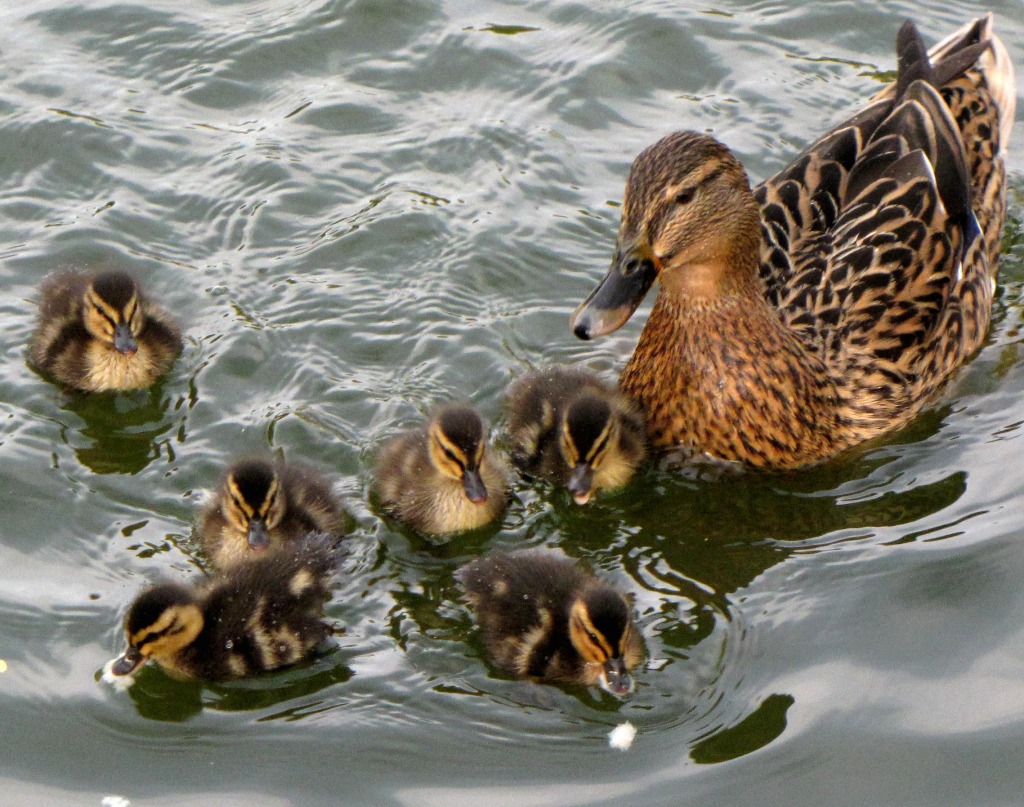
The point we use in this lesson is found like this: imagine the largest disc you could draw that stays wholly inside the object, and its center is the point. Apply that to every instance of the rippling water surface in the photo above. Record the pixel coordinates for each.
(359, 208)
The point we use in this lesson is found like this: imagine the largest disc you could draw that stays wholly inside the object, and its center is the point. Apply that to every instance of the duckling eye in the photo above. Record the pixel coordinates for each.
(685, 196)
(450, 455)
(108, 322)
(598, 647)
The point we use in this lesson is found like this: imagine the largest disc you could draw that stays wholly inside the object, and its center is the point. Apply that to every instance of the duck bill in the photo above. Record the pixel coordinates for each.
(581, 483)
(124, 342)
(617, 296)
(128, 663)
(258, 535)
(473, 484)
(615, 678)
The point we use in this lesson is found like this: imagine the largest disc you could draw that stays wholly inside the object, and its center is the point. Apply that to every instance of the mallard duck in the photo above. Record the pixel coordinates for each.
(262, 503)
(444, 477)
(569, 426)
(98, 332)
(254, 618)
(826, 306)
(546, 619)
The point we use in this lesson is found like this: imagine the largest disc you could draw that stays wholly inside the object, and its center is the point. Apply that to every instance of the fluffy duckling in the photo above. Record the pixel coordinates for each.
(257, 617)
(569, 426)
(546, 619)
(443, 478)
(262, 504)
(99, 332)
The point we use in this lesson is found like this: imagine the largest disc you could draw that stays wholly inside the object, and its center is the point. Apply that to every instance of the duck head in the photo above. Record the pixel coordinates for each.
(254, 503)
(161, 622)
(688, 218)
(589, 434)
(112, 312)
(457, 442)
(600, 628)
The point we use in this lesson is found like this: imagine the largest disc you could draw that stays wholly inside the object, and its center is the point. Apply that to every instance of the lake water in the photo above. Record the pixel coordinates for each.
(361, 208)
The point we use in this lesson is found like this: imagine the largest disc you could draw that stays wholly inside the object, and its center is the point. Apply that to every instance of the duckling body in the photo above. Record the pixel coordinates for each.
(546, 619)
(263, 504)
(570, 427)
(254, 618)
(826, 306)
(99, 332)
(444, 477)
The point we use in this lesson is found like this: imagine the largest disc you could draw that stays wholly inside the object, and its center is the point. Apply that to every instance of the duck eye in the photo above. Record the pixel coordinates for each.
(451, 455)
(685, 196)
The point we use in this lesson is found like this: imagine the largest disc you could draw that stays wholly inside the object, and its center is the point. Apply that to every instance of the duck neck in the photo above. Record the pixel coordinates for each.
(721, 267)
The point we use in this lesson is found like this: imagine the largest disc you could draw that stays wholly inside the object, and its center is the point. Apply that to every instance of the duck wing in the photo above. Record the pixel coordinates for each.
(880, 241)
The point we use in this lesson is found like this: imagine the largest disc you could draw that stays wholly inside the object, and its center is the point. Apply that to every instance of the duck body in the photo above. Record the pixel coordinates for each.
(827, 305)
(98, 332)
(444, 477)
(546, 619)
(263, 504)
(570, 427)
(255, 618)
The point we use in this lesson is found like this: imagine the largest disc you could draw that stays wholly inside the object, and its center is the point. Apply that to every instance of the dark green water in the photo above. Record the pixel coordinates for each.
(360, 208)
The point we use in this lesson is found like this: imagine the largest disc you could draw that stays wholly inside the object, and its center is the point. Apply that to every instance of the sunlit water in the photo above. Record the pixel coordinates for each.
(358, 209)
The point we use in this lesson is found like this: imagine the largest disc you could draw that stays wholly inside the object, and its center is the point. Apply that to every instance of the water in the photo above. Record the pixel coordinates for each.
(360, 208)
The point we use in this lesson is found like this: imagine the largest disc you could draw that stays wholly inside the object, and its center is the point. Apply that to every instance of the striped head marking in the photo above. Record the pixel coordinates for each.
(254, 503)
(600, 628)
(588, 434)
(457, 442)
(112, 311)
(687, 198)
(161, 622)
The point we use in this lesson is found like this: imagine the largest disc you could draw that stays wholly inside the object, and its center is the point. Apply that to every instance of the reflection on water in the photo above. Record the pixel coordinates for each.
(158, 696)
(125, 431)
(752, 733)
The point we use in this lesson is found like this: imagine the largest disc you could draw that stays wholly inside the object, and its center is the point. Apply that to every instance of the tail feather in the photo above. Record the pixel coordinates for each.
(976, 43)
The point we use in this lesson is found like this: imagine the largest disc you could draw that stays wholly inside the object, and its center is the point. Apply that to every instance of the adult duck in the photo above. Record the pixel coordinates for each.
(824, 307)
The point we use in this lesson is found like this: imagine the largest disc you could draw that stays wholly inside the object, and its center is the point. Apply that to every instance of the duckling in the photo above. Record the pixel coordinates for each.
(443, 478)
(826, 306)
(254, 618)
(98, 332)
(261, 504)
(546, 619)
(569, 426)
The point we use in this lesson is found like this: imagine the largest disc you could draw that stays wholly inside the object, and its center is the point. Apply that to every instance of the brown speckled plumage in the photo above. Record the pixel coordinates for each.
(824, 308)
(74, 342)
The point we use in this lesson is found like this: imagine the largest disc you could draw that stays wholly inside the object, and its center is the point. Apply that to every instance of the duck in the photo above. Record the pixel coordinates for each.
(254, 618)
(263, 504)
(98, 332)
(546, 619)
(443, 477)
(569, 426)
(824, 307)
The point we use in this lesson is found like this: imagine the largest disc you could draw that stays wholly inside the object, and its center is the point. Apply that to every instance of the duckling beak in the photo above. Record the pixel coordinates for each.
(581, 483)
(258, 535)
(473, 484)
(126, 665)
(617, 296)
(124, 342)
(615, 678)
